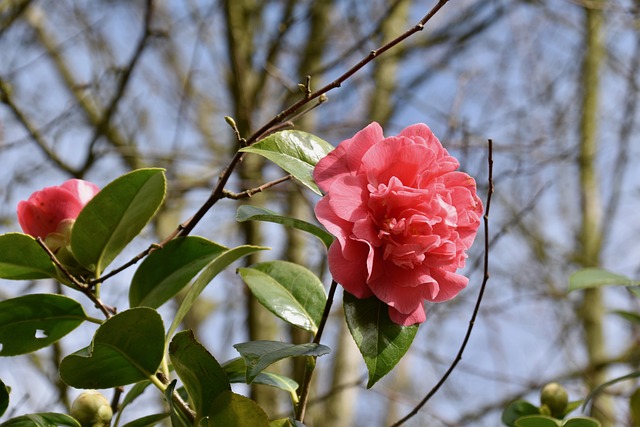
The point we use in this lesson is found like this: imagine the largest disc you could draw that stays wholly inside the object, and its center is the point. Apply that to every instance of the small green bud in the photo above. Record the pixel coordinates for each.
(92, 409)
(556, 398)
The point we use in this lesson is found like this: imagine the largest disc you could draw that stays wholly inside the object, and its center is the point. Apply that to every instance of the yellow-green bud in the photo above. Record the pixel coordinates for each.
(92, 409)
(556, 398)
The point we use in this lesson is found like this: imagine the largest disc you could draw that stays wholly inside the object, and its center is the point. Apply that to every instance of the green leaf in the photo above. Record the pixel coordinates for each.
(200, 372)
(149, 420)
(572, 406)
(166, 271)
(236, 372)
(595, 277)
(45, 419)
(517, 409)
(537, 421)
(629, 316)
(634, 407)
(126, 348)
(381, 342)
(294, 151)
(131, 396)
(582, 422)
(31, 322)
(289, 291)
(286, 422)
(115, 216)
(601, 387)
(178, 418)
(257, 355)
(22, 258)
(233, 410)
(218, 264)
(4, 398)
(256, 213)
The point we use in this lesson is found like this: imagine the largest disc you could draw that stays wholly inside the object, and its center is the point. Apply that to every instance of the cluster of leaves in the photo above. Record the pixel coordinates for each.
(134, 347)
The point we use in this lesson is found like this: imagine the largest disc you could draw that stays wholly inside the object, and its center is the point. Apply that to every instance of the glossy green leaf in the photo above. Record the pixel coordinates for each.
(31, 322)
(4, 398)
(200, 372)
(634, 407)
(256, 213)
(258, 355)
(582, 422)
(537, 421)
(629, 316)
(289, 291)
(294, 151)
(126, 348)
(517, 409)
(178, 418)
(233, 410)
(381, 342)
(149, 420)
(166, 271)
(22, 258)
(596, 277)
(286, 422)
(236, 372)
(45, 419)
(130, 397)
(218, 264)
(115, 216)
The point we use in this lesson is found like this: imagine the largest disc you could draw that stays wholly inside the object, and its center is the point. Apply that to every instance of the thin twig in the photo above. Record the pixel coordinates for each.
(476, 309)
(311, 361)
(82, 287)
(252, 191)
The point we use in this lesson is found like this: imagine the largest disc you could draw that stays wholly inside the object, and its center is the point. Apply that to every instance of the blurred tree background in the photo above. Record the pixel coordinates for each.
(94, 88)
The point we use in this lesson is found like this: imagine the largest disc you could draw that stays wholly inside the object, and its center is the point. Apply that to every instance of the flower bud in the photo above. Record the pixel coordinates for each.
(555, 397)
(92, 409)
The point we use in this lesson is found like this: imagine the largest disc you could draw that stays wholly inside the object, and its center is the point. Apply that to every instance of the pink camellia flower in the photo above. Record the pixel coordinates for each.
(52, 210)
(403, 218)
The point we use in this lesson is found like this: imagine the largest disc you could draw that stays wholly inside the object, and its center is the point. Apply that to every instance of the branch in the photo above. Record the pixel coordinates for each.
(476, 309)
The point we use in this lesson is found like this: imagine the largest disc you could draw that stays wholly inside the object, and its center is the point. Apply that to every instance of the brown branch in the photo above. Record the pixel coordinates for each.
(82, 287)
(252, 191)
(476, 309)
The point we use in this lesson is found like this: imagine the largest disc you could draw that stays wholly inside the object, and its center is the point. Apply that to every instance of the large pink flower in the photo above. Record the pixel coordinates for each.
(52, 208)
(403, 218)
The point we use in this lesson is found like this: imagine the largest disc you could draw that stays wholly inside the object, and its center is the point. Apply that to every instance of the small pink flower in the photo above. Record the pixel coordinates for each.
(52, 209)
(403, 218)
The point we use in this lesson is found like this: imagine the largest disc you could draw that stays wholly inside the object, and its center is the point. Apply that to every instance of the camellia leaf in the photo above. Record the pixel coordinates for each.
(582, 422)
(286, 422)
(149, 420)
(115, 216)
(294, 151)
(381, 342)
(126, 348)
(634, 407)
(537, 421)
(131, 396)
(257, 355)
(518, 409)
(45, 419)
(166, 271)
(595, 277)
(233, 410)
(256, 213)
(178, 418)
(236, 372)
(4, 398)
(218, 264)
(289, 291)
(200, 372)
(31, 322)
(22, 258)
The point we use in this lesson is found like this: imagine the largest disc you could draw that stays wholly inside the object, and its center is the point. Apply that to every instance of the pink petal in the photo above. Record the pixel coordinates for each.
(45, 209)
(82, 190)
(350, 273)
(416, 316)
